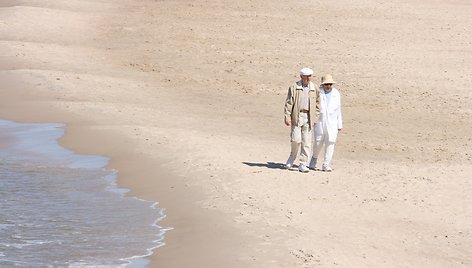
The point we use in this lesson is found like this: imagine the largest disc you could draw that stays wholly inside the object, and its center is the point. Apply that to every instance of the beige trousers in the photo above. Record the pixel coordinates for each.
(301, 138)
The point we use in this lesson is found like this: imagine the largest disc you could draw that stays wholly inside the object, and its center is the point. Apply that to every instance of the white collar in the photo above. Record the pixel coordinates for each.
(308, 86)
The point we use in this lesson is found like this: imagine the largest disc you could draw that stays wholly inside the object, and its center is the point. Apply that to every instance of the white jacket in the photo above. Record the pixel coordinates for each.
(330, 119)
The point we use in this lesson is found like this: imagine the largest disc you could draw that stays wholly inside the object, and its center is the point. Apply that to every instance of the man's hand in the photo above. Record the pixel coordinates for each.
(288, 122)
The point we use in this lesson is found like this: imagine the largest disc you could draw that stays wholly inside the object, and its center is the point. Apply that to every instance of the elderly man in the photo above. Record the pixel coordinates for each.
(301, 111)
(329, 124)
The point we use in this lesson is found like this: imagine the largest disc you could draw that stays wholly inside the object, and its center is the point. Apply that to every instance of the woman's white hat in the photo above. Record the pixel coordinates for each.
(327, 79)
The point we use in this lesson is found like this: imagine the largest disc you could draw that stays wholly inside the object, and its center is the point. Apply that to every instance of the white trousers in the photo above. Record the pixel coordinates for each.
(301, 138)
(320, 142)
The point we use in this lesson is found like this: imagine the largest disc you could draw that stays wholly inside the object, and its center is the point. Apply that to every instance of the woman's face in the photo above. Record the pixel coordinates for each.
(327, 87)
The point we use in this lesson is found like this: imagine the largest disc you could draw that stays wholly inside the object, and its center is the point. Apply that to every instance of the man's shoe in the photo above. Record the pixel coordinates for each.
(312, 165)
(289, 163)
(303, 168)
(326, 168)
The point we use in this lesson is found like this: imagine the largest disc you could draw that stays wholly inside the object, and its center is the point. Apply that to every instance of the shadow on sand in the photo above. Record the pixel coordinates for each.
(271, 165)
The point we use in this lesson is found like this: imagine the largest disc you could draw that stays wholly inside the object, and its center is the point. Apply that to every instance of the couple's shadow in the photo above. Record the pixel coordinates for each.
(271, 165)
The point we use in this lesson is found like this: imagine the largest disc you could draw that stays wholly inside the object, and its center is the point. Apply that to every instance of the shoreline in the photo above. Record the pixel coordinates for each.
(45, 153)
(136, 172)
(191, 224)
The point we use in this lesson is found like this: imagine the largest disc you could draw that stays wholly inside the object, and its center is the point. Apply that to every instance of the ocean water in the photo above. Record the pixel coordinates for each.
(60, 209)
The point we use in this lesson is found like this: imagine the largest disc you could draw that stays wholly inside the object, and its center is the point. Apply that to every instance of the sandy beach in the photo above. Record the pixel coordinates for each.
(186, 97)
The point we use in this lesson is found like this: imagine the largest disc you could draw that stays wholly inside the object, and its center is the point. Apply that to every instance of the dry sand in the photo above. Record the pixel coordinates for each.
(187, 97)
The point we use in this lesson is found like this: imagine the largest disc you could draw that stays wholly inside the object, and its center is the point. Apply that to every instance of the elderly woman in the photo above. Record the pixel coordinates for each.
(330, 122)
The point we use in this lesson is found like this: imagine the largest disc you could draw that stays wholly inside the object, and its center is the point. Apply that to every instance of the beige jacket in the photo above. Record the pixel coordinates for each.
(292, 103)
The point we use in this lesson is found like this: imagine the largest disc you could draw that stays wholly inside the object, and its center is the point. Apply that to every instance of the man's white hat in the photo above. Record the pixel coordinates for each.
(306, 71)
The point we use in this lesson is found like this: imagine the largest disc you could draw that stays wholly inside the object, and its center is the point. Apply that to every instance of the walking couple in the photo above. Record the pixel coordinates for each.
(313, 112)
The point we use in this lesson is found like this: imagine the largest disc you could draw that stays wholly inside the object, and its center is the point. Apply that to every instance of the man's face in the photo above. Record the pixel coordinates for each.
(305, 79)
(327, 87)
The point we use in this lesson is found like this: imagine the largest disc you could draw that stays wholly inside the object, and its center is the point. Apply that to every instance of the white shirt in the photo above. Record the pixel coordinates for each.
(305, 98)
